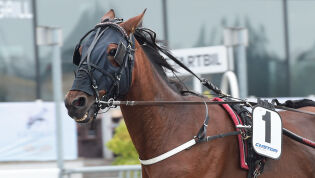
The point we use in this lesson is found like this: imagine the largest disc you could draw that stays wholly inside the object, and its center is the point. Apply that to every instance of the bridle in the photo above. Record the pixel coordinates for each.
(124, 57)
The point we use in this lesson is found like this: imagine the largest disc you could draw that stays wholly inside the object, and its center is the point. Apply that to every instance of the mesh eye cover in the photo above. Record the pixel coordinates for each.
(120, 53)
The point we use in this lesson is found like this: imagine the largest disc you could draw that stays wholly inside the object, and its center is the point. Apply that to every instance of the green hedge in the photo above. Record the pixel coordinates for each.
(123, 147)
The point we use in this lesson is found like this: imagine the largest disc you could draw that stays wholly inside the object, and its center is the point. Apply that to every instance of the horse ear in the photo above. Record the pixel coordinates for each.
(109, 15)
(131, 24)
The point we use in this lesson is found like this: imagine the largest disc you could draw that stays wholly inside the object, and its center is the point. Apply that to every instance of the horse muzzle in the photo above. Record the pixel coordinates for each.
(81, 107)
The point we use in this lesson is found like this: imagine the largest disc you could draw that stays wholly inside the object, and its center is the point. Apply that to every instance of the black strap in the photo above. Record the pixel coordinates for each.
(97, 36)
(116, 26)
(209, 138)
(298, 138)
(103, 71)
(152, 35)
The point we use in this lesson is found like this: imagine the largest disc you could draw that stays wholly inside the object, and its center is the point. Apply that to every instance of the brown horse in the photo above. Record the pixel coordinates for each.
(157, 129)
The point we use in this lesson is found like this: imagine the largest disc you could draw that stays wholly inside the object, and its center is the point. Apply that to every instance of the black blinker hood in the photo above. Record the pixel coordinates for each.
(95, 72)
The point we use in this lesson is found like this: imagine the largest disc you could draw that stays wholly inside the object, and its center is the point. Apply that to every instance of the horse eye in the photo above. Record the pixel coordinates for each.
(112, 52)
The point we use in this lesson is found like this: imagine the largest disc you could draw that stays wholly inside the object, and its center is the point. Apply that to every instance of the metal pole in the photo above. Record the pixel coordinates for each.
(165, 23)
(57, 84)
(37, 66)
(53, 36)
(106, 134)
(230, 54)
(287, 45)
(238, 38)
(197, 85)
(242, 69)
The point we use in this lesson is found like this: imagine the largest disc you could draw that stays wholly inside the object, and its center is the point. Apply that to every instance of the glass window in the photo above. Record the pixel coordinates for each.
(190, 24)
(17, 64)
(201, 23)
(302, 47)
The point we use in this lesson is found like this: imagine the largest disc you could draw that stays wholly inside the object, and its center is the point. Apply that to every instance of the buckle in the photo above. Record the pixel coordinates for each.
(247, 103)
(244, 135)
(243, 126)
(118, 77)
(256, 173)
(259, 167)
(110, 103)
(94, 87)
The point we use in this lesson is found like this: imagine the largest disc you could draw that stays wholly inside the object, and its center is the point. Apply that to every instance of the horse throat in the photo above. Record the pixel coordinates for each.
(148, 126)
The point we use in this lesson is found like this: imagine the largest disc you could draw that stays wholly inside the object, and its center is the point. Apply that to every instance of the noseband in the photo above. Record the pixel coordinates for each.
(120, 76)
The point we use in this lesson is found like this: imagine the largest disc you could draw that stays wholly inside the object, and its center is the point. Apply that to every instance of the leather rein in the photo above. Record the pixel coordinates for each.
(112, 103)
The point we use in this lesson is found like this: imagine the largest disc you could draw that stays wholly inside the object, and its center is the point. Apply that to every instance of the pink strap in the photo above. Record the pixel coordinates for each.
(236, 120)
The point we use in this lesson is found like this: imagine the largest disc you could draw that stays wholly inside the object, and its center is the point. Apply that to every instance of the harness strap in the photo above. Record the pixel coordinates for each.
(103, 71)
(295, 110)
(209, 138)
(169, 153)
(162, 103)
(298, 138)
(91, 47)
(116, 26)
(185, 146)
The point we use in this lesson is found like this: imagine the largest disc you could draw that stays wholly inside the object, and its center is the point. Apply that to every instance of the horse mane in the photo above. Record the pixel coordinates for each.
(296, 104)
(153, 49)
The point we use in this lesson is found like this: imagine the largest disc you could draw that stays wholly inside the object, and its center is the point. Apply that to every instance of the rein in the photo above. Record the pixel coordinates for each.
(203, 81)
(112, 103)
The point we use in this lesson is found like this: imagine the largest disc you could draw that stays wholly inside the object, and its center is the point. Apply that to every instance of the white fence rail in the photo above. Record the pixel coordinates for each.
(121, 171)
(125, 171)
(30, 173)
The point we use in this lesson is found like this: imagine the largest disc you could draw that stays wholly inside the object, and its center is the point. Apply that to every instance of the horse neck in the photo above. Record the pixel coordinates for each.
(147, 125)
(147, 84)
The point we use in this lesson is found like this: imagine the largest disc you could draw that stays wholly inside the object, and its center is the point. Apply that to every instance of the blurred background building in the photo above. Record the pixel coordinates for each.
(278, 65)
(280, 54)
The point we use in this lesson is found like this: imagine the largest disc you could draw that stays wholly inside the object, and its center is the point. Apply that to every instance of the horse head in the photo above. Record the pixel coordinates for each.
(105, 60)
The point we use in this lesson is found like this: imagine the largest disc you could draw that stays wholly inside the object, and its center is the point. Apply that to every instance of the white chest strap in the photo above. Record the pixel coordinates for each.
(169, 153)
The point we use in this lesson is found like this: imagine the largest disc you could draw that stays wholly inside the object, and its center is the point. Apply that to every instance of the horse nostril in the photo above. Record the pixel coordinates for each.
(79, 102)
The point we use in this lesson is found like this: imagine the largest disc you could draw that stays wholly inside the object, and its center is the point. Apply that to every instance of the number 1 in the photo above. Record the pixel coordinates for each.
(267, 120)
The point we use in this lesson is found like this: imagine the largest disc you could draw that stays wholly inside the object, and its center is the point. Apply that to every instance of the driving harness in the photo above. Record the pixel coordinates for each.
(116, 81)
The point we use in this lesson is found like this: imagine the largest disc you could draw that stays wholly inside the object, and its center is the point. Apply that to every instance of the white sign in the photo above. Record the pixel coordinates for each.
(204, 60)
(267, 132)
(28, 132)
(49, 35)
(19, 9)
